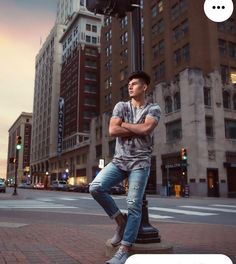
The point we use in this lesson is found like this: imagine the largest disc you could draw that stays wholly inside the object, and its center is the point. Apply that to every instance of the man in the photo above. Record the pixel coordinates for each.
(132, 123)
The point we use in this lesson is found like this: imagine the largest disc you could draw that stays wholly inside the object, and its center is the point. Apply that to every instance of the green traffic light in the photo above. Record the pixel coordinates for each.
(18, 147)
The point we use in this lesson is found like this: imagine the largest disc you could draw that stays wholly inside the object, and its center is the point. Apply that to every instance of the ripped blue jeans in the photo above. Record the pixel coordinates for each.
(110, 176)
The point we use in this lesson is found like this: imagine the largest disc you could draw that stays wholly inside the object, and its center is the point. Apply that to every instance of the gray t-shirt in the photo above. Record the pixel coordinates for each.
(135, 152)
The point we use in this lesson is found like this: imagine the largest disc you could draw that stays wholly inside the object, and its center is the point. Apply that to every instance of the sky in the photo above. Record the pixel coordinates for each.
(24, 26)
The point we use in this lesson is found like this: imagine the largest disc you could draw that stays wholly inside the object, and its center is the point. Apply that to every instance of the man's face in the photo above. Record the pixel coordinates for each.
(136, 88)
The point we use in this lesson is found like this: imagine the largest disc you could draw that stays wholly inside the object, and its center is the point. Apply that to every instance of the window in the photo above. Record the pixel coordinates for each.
(90, 76)
(173, 131)
(174, 13)
(88, 27)
(88, 39)
(108, 65)
(177, 102)
(234, 101)
(226, 100)
(94, 28)
(232, 50)
(90, 101)
(177, 57)
(124, 74)
(90, 51)
(233, 75)
(160, 6)
(108, 99)
(159, 71)
(184, 27)
(230, 129)
(90, 64)
(227, 26)
(185, 52)
(207, 96)
(168, 105)
(222, 47)
(124, 22)
(158, 49)
(108, 82)
(154, 11)
(94, 40)
(209, 126)
(90, 88)
(158, 28)
(224, 73)
(98, 151)
(124, 38)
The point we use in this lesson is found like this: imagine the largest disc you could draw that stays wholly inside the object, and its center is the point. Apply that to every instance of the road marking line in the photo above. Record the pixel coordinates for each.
(12, 225)
(209, 208)
(224, 205)
(152, 215)
(178, 211)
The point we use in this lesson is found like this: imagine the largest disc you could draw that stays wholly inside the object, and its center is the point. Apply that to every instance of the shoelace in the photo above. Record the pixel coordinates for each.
(120, 253)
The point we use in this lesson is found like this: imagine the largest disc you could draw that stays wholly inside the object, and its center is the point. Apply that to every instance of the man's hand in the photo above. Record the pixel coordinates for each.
(115, 129)
(141, 129)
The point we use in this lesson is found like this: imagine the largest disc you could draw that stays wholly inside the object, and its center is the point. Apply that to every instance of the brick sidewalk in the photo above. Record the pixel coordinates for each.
(85, 244)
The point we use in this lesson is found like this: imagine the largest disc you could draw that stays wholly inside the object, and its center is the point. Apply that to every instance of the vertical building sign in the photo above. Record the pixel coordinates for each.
(61, 105)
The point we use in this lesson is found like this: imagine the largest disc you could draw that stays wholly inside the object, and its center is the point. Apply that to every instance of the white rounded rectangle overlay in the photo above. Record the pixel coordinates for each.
(178, 259)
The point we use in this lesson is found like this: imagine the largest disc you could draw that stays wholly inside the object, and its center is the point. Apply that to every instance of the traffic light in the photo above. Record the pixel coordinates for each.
(18, 143)
(184, 154)
(116, 8)
(12, 160)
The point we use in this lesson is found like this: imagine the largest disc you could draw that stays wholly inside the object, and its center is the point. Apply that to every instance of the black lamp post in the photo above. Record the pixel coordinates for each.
(118, 8)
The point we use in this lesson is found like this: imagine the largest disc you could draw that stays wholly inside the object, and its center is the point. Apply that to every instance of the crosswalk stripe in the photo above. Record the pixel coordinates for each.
(209, 208)
(151, 215)
(178, 211)
(24, 204)
(224, 205)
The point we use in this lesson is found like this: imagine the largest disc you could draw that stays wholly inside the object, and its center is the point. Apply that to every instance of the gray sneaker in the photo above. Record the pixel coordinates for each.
(119, 258)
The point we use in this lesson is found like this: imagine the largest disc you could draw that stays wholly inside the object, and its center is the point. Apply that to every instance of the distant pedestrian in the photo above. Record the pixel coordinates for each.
(132, 123)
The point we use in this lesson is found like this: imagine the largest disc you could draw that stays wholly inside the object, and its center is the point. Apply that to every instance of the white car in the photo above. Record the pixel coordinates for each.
(2, 185)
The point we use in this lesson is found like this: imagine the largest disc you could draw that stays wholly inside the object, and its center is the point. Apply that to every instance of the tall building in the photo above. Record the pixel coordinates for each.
(192, 62)
(45, 107)
(79, 93)
(66, 9)
(21, 127)
(47, 93)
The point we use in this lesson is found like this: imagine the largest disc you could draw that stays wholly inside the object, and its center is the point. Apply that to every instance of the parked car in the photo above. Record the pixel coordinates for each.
(2, 185)
(84, 188)
(25, 185)
(118, 189)
(59, 185)
(39, 185)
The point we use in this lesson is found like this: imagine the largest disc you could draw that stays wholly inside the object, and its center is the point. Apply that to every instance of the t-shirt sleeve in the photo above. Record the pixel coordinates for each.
(154, 112)
(117, 111)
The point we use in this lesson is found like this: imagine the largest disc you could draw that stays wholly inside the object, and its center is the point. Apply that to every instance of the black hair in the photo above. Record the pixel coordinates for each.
(140, 75)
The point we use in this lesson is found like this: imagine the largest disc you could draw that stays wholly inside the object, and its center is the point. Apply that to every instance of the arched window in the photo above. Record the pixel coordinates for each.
(234, 101)
(177, 104)
(168, 105)
(226, 99)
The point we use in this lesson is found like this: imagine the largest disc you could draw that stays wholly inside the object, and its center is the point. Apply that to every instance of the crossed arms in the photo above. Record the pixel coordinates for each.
(117, 128)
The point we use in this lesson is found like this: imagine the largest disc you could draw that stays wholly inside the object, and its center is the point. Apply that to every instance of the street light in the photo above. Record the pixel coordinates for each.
(118, 8)
(46, 181)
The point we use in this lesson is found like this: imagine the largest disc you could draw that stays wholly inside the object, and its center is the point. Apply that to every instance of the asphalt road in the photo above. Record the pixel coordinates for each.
(71, 207)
